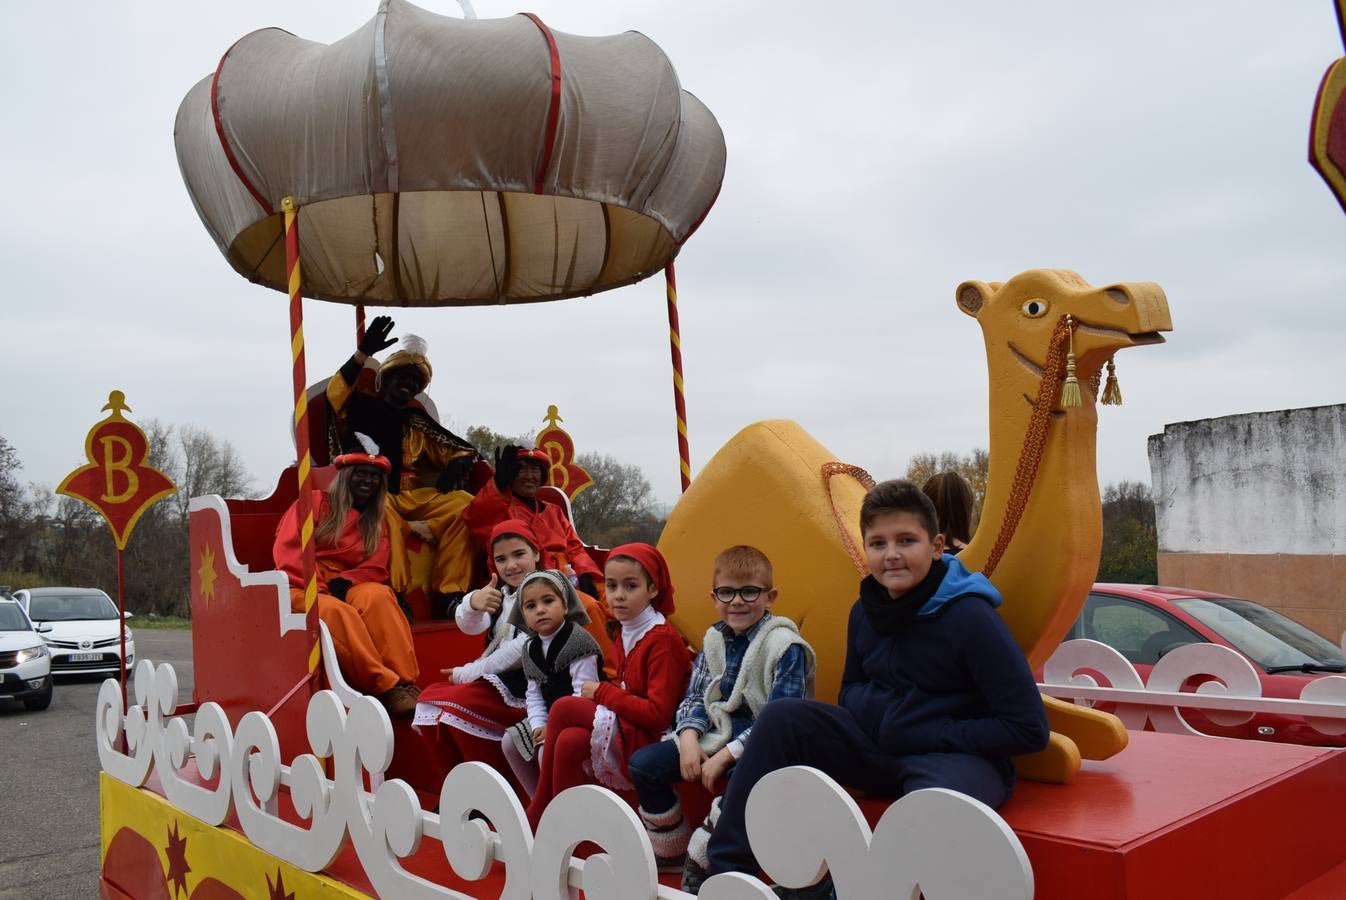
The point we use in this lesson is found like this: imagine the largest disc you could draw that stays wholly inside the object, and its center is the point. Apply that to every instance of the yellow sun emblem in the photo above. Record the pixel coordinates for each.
(206, 574)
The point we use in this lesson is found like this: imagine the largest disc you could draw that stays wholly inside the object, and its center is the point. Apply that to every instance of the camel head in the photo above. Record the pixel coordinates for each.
(1018, 317)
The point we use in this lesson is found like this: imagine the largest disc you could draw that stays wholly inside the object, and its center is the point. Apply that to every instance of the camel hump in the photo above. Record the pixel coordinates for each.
(766, 488)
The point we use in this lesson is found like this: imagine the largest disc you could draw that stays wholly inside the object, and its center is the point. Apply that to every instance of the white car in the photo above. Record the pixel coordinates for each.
(25, 661)
(84, 622)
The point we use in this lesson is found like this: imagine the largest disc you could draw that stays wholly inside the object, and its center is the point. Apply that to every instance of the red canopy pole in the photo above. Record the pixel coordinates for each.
(305, 468)
(679, 402)
(359, 322)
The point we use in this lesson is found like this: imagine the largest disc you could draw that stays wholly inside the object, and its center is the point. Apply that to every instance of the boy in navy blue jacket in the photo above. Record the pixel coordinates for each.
(935, 692)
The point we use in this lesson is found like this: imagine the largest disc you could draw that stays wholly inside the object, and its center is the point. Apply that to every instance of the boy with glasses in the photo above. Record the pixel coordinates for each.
(748, 659)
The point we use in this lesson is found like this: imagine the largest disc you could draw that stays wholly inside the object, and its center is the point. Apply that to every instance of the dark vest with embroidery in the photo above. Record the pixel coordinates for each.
(552, 670)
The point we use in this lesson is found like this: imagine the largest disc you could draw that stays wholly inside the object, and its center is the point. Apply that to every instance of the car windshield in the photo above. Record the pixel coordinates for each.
(70, 607)
(13, 619)
(1263, 635)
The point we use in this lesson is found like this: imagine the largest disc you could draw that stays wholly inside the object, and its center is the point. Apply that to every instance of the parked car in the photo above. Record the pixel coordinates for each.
(1143, 623)
(25, 661)
(84, 622)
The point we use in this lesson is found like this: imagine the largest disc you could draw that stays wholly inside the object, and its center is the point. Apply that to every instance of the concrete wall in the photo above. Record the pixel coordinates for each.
(1255, 505)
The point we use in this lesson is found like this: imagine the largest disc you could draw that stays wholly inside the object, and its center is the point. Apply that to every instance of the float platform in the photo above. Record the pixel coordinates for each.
(1170, 817)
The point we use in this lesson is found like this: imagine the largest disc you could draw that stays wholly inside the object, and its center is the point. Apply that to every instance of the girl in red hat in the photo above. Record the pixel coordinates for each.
(590, 737)
(368, 629)
(483, 698)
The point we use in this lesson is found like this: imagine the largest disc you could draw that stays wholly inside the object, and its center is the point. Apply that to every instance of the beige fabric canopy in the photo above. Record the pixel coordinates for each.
(439, 161)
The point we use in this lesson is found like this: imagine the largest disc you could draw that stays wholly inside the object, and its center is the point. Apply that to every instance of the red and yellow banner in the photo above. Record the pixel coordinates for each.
(1327, 132)
(560, 449)
(117, 481)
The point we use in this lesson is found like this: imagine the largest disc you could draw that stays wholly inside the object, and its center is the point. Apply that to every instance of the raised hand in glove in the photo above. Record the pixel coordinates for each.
(506, 465)
(377, 336)
(338, 587)
(454, 475)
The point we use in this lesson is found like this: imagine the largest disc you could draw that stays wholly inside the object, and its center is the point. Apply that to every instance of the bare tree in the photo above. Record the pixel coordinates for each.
(973, 467)
(620, 505)
(16, 510)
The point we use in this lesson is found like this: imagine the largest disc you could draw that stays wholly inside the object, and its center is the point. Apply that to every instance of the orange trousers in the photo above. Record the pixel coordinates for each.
(371, 636)
(453, 549)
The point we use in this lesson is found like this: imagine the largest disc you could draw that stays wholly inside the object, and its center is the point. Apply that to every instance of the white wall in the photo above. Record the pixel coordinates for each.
(1272, 482)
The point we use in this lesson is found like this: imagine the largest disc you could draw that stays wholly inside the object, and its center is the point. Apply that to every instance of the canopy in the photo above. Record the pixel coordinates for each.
(439, 161)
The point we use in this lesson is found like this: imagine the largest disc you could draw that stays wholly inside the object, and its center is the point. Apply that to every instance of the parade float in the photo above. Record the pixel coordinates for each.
(427, 160)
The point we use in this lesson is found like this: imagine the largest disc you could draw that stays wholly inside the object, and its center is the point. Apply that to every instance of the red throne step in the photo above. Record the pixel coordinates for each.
(1175, 816)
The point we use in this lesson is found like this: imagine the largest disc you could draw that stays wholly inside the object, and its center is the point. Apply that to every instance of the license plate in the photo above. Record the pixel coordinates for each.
(86, 657)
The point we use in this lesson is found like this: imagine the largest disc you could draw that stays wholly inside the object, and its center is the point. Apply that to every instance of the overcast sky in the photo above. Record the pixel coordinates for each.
(879, 154)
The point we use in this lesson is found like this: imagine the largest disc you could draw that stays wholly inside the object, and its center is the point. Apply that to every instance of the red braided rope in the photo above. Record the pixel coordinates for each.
(1035, 442)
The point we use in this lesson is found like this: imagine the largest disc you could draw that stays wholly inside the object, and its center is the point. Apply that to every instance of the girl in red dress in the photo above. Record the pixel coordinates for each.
(590, 737)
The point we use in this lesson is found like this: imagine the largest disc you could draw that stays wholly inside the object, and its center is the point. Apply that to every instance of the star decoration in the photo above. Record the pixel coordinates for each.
(177, 860)
(277, 891)
(207, 575)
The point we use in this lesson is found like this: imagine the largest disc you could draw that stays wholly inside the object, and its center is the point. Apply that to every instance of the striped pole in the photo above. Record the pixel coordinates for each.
(305, 468)
(359, 322)
(679, 402)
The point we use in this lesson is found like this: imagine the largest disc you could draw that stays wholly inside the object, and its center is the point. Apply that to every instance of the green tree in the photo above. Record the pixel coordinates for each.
(1130, 537)
(972, 466)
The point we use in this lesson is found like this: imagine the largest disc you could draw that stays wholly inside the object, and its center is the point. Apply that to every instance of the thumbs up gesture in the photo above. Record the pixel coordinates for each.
(488, 599)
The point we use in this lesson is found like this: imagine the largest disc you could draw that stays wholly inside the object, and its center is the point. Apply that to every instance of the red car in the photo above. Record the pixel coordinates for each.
(1143, 623)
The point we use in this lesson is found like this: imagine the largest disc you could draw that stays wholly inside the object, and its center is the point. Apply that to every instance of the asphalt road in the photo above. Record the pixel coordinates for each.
(49, 844)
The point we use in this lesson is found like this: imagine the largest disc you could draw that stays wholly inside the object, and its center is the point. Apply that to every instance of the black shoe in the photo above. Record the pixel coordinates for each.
(823, 890)
(443, 606)
(692, 877)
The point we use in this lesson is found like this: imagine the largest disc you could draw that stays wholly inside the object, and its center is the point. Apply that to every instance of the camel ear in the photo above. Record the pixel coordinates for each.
(971, 296)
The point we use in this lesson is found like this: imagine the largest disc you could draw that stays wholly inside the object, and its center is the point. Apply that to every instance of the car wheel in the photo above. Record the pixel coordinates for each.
(40, 701)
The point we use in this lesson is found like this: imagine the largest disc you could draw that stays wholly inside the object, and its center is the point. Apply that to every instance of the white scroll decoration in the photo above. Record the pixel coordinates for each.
(469, 845)
(1328, 689)
(1232, 698)
(1237, 678)
(244, 776)
(922, 846)
(590, 813)
(1072, 662)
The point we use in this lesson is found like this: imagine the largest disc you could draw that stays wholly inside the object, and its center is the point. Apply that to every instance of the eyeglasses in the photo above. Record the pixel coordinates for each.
(749, 593)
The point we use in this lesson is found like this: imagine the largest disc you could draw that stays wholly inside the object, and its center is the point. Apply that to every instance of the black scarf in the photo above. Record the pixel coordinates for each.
(888, 614)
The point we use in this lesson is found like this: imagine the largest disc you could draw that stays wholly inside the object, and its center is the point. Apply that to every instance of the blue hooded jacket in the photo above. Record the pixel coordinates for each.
(952, 680)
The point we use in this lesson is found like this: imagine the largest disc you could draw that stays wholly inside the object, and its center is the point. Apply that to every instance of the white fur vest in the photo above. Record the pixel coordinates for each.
(756, 675)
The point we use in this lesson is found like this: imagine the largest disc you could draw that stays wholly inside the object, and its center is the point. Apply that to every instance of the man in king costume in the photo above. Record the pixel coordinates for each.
(427, 487)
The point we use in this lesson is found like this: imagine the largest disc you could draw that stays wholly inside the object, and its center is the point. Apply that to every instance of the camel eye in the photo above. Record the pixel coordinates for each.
(1035, 308)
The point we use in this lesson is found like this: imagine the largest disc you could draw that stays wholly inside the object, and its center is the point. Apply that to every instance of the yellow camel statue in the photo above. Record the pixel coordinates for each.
(1040, 534)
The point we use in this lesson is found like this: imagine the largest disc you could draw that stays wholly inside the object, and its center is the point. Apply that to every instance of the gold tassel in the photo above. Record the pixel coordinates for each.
(1070, 390)
(1112, 392)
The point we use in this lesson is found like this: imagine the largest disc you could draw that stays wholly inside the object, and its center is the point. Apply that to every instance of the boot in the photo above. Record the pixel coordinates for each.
(668, 833)
(401, 700)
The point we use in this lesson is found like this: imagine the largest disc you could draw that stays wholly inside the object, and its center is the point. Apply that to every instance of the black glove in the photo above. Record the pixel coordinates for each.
(376, 336)
(338, 587)
(586, 584)
(506, 465)
(454, 474)
(406, 607)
